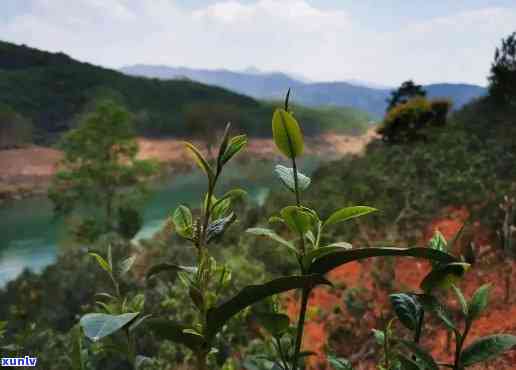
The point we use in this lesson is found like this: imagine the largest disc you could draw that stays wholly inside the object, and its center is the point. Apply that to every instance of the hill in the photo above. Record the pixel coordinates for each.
(351, 93)
(52, 88)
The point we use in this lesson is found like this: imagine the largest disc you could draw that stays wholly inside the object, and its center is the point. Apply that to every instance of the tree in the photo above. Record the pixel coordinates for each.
(404, 93)
(15, 130)
(408, 121)
(502, 81)
(100, 169)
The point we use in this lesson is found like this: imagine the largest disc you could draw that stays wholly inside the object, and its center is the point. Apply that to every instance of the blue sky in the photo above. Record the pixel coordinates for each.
(381, 41)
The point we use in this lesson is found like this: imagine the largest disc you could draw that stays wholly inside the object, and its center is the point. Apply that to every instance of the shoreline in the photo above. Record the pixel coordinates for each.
(27, 172)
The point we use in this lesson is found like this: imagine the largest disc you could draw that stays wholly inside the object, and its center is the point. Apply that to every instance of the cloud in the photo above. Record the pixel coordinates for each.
(289, 35)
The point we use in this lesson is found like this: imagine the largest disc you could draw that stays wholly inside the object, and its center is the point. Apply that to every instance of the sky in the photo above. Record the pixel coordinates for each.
(379, 41)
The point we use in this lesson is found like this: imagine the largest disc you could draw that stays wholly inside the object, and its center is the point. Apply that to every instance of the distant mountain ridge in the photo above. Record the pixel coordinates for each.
(273, 85)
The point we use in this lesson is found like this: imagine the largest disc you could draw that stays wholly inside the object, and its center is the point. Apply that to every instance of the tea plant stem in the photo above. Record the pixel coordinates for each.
(460, 339)
(281, 353)
(296, 185)
(300, 326)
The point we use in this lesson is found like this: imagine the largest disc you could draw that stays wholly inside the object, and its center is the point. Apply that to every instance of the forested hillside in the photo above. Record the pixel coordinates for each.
(51, 89)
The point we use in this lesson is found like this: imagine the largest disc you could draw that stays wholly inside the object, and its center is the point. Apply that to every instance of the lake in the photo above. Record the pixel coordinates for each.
(31, 236)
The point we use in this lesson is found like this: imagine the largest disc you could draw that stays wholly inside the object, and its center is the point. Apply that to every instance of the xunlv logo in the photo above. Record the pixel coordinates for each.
(19, 361)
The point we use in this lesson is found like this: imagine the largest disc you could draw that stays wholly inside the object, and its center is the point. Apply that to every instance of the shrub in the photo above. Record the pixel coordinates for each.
(406, 122)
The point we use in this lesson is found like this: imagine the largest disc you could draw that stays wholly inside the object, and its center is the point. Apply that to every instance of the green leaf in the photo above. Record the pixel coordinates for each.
(221, 209)
(431, 304)
(201, 162)
(275, 323)
(236, 144)
(486, 348)
(216, 229)
(438, 242)
(478, 302)
(126, 265)
(407, 363)
(156, 269)
(287, 134)
(77, 355)
(101, 262)
(348, 213)
(408, 309)
(339, 363)
(379, 336)
(427, 360)
(218, 316)
(272, 235)
(443, 276)
(309, 257)
(99, 325)
(136, 323)
(462, 300)
(336, 259)
(223, 146)
(286, 175)
(175, 332)
(183, 221)
(232, 194)
(297, 219)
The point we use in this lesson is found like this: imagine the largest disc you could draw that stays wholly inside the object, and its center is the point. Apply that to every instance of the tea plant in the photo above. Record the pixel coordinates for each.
(410, 308)
(307, 243)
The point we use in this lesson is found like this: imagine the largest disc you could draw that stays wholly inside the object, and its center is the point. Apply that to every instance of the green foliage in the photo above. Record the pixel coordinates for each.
(100, 167)
(410, 309)
(502, 80)
(15, 130)
(50, 89)
(407, 91)
(409, 121)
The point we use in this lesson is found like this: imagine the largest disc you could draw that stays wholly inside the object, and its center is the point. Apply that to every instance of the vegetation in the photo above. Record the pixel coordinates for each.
(408, 90)
(15, 130)
(187, 296)
(100, 167)
(51, 89)
(503, 72)
(412, 120)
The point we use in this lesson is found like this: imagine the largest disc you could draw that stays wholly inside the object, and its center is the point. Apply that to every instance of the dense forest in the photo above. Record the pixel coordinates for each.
(339, 245)
(51, 89)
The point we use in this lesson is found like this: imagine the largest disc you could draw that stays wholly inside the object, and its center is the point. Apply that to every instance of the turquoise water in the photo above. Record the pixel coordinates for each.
(30, 235)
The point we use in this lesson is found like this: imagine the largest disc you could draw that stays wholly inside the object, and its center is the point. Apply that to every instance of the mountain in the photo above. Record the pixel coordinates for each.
(52, 88)
(251, 82)
(262, 85)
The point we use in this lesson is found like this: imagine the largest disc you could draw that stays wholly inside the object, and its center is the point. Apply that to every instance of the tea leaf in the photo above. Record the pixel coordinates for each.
(99, 325)
(427, 360)
(127, 264)
(156, 269)
(217, 228)
(235, 145)
(444, 276)
(323, 251)
(487, 348)
(101, 262)
(336, 259)
(200, 160)
(297, 219)
(286, 175)
(218, 316)
(348, 213)
(407, 363)
(339, 363)
(478, 302)
(183, 221)
(272, 235)
(431, 304)
(232, 194)
(175, 332)
(287, 134)
(407, 308)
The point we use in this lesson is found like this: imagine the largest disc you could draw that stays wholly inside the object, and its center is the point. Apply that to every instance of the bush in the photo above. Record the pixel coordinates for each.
(406, 122)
